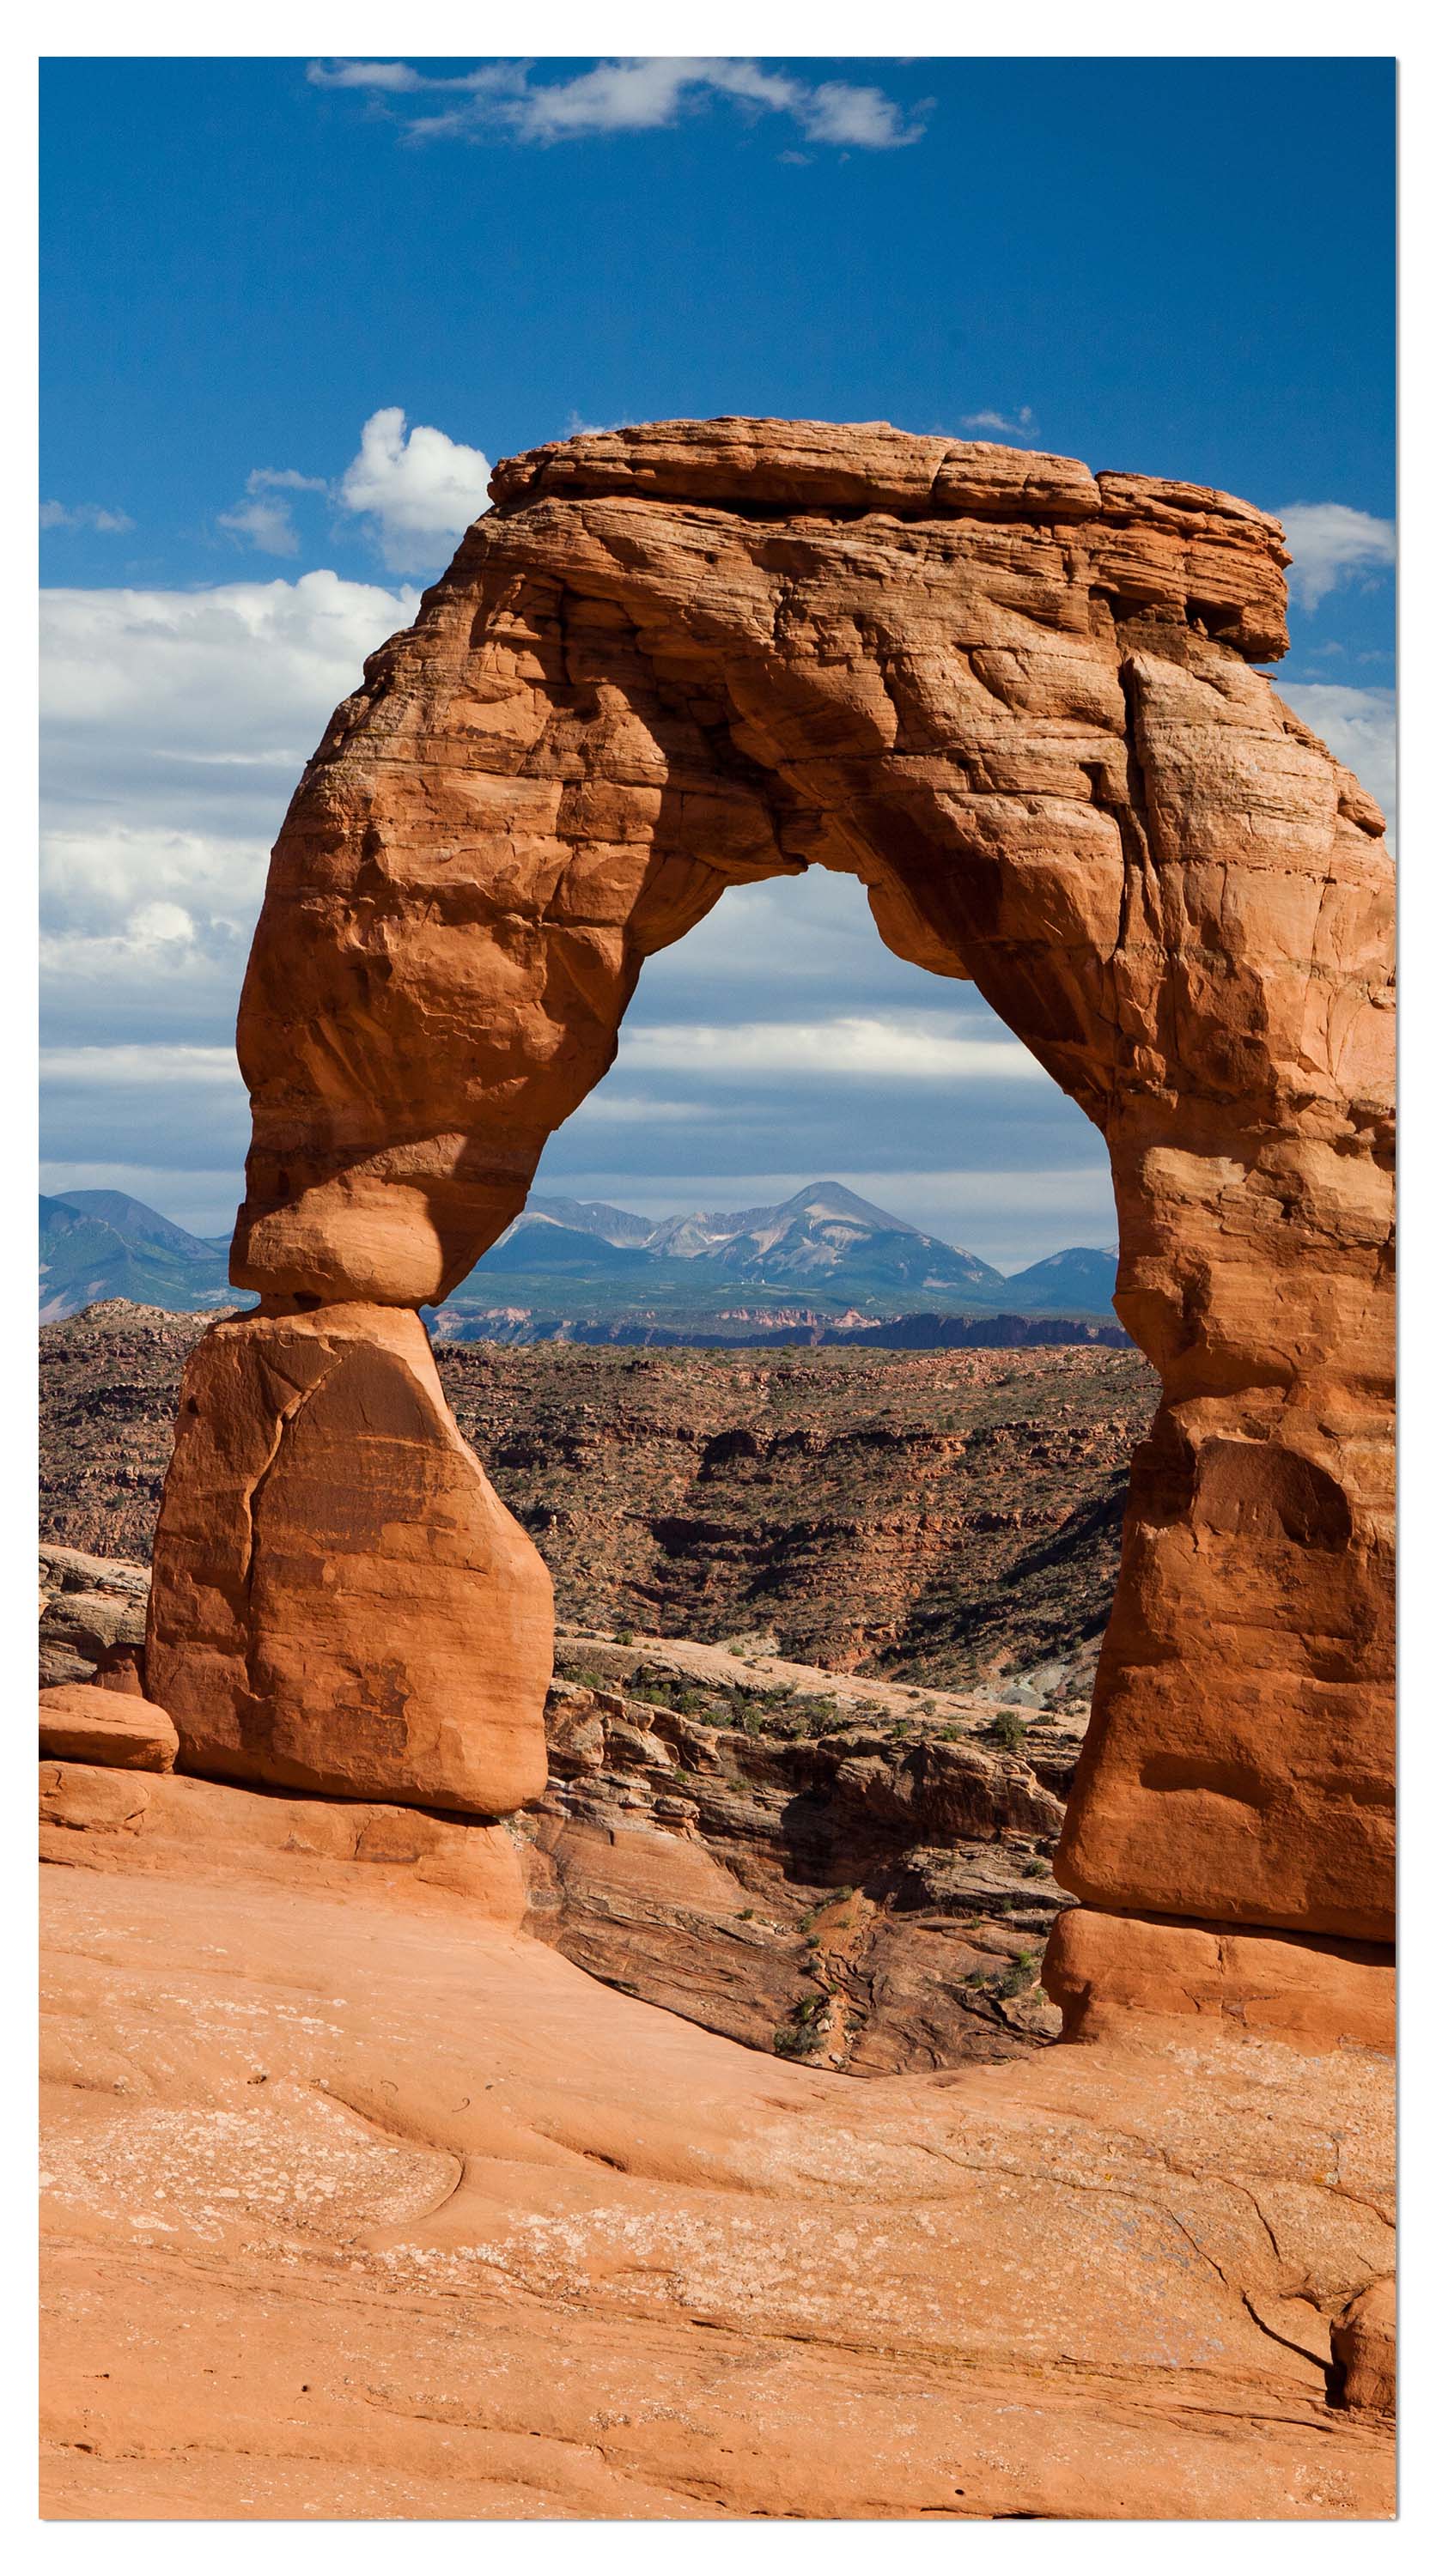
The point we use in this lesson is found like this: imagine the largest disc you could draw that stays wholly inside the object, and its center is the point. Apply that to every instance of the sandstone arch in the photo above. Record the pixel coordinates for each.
(1018, 701)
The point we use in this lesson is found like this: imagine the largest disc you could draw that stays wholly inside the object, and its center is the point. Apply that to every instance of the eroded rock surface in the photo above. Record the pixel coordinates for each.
(855, 1873)
(851, 1874)
(80, 1722)
(1018, 701)
(340, 1600)
(357, 2203)
(92, 1618)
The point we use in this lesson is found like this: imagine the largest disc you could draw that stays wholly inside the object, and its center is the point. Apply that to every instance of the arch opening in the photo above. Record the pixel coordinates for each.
(860, 1120)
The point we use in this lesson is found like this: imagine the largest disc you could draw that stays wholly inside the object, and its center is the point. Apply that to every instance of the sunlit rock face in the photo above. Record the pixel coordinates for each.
(340, 1601)
(1018, 701)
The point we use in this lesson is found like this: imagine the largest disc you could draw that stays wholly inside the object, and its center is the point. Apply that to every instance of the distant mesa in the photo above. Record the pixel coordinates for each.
(824, 1261)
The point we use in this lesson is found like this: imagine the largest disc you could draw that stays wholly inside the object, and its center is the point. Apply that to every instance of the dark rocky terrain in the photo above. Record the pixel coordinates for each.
(855, 1873)
(844, 1856)
(950, 1517)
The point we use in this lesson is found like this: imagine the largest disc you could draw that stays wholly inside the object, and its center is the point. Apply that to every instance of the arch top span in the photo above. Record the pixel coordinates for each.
(1014, 697)
(1021, 702)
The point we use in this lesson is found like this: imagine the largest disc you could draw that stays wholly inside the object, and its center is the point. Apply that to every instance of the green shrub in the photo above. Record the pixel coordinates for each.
(1016, 1979)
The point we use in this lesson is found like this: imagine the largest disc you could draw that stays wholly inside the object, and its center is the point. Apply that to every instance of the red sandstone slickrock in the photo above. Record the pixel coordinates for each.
(340, 1600)
(360, 2203)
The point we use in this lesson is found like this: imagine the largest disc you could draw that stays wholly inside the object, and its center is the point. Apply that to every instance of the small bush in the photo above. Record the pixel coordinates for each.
(1016, 1979)
(806, 2031)
(1008, 1730)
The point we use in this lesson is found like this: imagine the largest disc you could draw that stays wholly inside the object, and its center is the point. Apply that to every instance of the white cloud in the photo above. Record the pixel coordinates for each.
(418, 490)
(1016, 422)
(268, 525)
(175, 724)
(85, 514)
(844, 112)
(242, 675)
(1359, 725)
(380, 76)
(1330, 544)
(629, 97)
(911, 1047)
(140, 1064)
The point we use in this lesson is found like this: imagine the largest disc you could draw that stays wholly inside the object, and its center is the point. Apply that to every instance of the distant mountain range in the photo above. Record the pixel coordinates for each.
(823, 1260)
(99, 1243)
(823, 1238)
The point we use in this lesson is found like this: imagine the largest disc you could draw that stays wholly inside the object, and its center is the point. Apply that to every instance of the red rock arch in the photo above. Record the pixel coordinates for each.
(1018, 702)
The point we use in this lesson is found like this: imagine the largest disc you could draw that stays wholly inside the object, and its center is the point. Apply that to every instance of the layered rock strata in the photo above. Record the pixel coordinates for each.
(1017, 700)
(853, 1874)
(92, 1619)
(79, 1722)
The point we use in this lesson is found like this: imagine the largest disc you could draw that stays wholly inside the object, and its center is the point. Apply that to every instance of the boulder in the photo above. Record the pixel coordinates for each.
(1363, 2343)
(341, 1602)
(81, 1723)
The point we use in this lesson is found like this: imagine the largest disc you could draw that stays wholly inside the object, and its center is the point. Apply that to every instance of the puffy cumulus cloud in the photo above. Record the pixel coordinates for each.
(418, 489)
(1359, 725)
(87, 515)
(1330, 544)
(631, 96)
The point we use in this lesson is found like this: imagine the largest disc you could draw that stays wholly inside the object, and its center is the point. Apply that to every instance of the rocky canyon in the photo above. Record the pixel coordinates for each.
(464, 2229)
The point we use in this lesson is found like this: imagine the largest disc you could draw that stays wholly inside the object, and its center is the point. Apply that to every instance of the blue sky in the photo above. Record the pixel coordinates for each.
(1181, 267)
